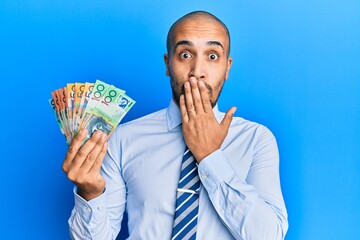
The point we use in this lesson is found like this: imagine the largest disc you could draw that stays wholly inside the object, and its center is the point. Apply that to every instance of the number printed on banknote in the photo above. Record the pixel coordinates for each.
(94, 106)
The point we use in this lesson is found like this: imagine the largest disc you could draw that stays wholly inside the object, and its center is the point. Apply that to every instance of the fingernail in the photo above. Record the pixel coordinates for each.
(201, 83)
(187, 85)
(97, 133)
(103, 136)
(234, 110)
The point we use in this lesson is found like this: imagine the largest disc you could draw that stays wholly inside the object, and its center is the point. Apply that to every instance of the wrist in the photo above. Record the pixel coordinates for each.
(201, 156)
(89, 195)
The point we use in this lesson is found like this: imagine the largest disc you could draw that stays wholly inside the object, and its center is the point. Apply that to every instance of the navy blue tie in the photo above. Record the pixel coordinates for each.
(187, 199)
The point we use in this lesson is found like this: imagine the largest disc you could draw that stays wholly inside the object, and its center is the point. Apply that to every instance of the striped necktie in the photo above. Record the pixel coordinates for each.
(187, 199)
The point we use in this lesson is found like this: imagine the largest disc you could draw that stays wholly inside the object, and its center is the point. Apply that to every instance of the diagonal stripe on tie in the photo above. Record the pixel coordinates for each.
(187, 199)
(186, 225)
(183, 199)
(187, 166)
(187, 175)
(191, 235)
(185, 213)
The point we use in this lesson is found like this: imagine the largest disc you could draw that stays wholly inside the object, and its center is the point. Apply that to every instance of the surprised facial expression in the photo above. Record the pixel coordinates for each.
(199, 49)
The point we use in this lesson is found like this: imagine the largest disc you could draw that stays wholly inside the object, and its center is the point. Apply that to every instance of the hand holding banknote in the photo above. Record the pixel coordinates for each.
(82, 163)
(87, 114)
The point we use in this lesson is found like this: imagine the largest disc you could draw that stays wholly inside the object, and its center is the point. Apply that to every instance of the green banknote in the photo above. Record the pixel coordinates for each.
(107, 114)
(94, 106)
(96, 95)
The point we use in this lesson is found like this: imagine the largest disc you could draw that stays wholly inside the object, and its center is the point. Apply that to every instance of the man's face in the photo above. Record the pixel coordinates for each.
(199, 49)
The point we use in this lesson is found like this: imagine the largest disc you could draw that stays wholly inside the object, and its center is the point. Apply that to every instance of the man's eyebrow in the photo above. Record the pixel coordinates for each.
(188, 43)
(183, 42)
(217, 43)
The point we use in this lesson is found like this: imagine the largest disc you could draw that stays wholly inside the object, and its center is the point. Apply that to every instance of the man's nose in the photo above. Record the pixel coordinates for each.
(197, 69)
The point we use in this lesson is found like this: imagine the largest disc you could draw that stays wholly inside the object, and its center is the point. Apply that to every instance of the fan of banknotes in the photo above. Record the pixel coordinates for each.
(94, 106)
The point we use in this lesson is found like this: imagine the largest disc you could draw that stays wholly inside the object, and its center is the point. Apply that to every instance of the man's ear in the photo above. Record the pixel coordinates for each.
(229, 63)
(166, 60)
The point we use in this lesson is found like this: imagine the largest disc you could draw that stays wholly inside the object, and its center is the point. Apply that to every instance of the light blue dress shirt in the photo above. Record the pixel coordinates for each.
(240, 194)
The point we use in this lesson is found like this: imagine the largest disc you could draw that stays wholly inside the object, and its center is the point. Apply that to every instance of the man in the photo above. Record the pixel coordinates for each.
(138, 169)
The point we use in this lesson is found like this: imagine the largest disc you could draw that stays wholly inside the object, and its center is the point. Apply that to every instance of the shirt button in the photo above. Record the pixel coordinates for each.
(87, 209)
(100, 207)
(204, 176)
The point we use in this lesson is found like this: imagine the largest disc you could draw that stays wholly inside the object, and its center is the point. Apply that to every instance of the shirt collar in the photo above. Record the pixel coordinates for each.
(173, 115)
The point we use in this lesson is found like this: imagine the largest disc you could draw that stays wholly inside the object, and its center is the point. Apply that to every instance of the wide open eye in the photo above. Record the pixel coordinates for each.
(213, 56)
(184, 55)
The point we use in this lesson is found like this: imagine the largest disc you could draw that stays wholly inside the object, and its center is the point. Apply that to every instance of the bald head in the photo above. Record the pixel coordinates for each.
(204, 16)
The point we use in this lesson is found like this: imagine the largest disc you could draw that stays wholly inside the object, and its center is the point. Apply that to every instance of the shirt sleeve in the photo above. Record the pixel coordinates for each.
(251, 208)
(100, 218)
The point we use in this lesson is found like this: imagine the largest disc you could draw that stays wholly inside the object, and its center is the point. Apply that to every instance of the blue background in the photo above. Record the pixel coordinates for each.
(296, 69)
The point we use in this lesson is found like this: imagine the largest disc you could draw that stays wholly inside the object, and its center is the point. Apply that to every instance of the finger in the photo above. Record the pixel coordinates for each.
(99, 160)
(228, 118)
(93, 156)
(84, 151)
(73, 149)
(183, 110)
(189, 100)
(196, 96)
(205, 97)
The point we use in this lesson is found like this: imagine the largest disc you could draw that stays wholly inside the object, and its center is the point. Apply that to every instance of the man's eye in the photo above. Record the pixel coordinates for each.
(184, 55)
(213, 56)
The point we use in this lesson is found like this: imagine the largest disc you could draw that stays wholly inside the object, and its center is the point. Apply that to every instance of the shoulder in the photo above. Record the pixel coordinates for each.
(255, 130)
(247, 125)
(142, 125)
(257, 137)
(149, 118)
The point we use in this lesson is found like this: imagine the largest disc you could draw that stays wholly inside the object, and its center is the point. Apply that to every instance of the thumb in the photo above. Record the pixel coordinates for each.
(228, 118)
